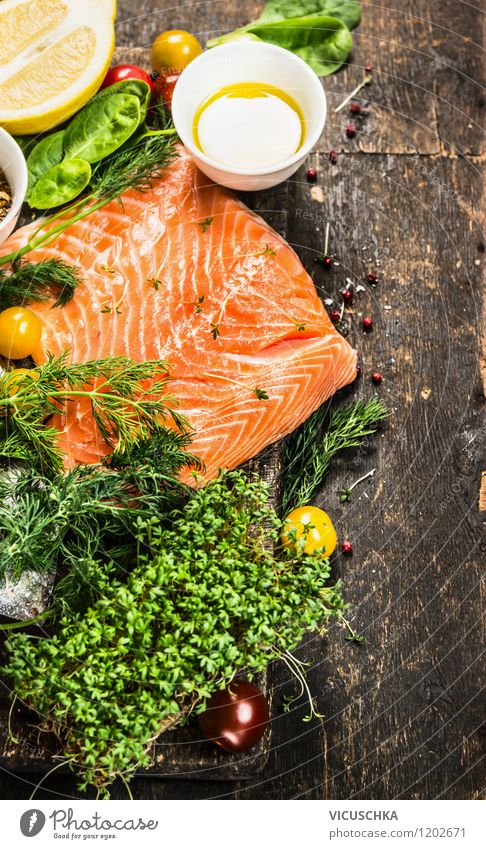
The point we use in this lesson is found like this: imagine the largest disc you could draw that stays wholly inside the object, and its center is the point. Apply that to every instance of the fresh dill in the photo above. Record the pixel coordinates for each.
(123, 407)
(30, 282)
(309, 451)
(90, 511)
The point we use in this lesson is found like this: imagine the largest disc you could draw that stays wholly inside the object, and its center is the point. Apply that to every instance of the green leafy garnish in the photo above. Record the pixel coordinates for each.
(347, 11)
(308, 452)
(206, 598)
(28, 282)
(89, 511)
(204, 225)
(133, 165)
(102, 127)
(123, 407)
(47, 153)
(61, 184)
(261, 394)
(315, 30)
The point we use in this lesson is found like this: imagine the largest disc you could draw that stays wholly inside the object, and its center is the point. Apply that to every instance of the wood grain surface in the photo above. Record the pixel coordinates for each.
(404, 711)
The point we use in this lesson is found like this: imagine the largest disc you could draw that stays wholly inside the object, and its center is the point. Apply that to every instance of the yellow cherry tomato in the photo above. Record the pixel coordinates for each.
(309, 529)
(174, 49)
(20, 332)
(15, 376)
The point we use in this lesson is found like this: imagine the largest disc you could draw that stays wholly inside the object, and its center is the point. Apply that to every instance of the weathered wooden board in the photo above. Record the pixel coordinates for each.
(405, 709)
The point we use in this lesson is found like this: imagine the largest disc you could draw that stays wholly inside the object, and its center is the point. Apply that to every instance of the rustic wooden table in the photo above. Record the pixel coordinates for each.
(405, 709)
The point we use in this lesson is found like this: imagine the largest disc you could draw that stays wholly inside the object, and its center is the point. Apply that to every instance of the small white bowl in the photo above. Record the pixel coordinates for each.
(248, 61)
(14, 167)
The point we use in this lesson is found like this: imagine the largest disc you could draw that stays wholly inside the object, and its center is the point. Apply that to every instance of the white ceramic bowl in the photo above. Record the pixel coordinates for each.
(14, 167)
(248, 61)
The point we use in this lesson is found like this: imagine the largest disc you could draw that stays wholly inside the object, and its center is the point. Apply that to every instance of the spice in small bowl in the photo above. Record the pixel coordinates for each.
(5, 196)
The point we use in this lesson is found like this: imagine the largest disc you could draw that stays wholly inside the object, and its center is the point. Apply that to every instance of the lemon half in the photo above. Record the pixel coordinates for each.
(54, 55)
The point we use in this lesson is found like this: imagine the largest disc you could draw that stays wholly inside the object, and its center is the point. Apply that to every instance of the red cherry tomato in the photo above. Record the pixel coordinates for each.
(127, 72)
(235, 718)
(164, 87)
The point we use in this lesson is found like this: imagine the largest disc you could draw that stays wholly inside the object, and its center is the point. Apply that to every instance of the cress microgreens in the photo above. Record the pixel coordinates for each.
(206, 598)
(308, 452)
(204, 225)
(123, 408)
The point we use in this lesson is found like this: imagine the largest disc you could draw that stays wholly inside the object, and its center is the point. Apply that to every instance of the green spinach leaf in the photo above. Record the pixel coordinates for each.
(323, 42)
(137, 88)
(46, 153)
(347, 11)
(61, 184)
(102, 127)
(26, 143)
(316, 30)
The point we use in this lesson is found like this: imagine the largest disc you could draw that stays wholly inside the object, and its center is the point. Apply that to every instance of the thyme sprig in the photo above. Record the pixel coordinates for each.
(128, 400)
(308, 452)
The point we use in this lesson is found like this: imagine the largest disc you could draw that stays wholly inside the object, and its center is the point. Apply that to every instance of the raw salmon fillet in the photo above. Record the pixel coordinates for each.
(146, 266)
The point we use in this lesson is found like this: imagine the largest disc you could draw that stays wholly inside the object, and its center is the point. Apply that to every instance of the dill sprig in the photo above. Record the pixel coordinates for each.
(138, 163)
(135, 165)
(308, 452)
(128, 401)
(28, 281)
(90, 511)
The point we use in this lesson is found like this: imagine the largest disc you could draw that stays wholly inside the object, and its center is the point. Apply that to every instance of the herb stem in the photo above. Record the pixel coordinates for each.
(326, 239)
(366, 81)
(47, 237)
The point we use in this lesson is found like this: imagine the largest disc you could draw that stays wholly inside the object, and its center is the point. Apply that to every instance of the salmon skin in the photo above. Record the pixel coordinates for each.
(186, 273)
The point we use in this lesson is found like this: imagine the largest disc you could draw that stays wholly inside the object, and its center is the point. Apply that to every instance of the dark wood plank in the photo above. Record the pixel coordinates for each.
(458, 43)
(405, 708)
(400, 108)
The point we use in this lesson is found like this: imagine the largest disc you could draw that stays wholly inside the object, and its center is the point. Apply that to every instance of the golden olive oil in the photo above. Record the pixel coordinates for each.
(249, 91)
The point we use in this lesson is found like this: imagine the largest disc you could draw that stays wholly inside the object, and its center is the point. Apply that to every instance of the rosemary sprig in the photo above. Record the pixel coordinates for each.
(308, 453)
(135, 166)
(123, 406)
(28, 281)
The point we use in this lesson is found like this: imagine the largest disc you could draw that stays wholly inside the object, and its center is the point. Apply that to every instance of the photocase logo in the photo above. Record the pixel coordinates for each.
(32, 822)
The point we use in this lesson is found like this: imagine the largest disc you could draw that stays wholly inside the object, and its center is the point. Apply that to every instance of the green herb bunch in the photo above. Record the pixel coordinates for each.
(309, 451)
(316, 30)
(207, 599)
(90, 511)
(128, 400)
(34, 281)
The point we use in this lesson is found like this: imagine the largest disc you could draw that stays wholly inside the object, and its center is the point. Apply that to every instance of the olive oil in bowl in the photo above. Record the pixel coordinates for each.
(249, 125)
